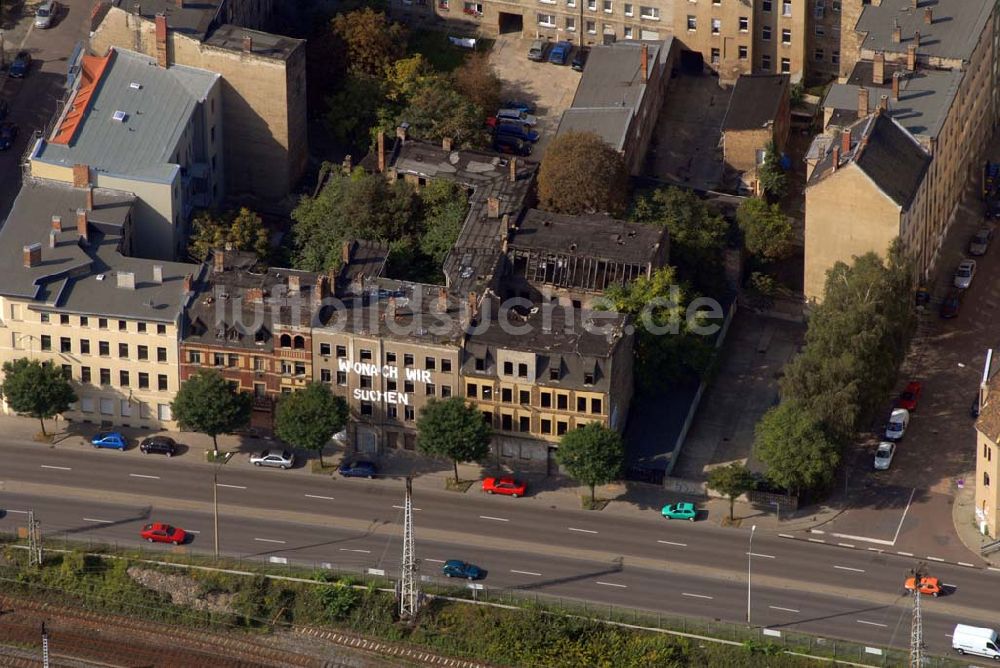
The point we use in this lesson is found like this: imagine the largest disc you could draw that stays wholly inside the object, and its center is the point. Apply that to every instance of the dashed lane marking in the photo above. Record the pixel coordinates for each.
(848, 568)
(56, 468)
(863, 621)
(670, 542)
(612, 584)
(270, 540)
(582, 530)
(317, 496)
(140, 475)
(525, 572)
(94, 519)
(695, 595)
(219, 484)
(778, 607)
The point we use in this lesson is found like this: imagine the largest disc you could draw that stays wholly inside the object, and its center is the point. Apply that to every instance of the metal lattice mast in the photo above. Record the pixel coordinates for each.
(408, 584)
(34, 541)
(45, 647)
(916, 623)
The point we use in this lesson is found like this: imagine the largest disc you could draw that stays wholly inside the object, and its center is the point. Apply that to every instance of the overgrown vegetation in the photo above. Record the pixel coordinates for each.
(241, 230)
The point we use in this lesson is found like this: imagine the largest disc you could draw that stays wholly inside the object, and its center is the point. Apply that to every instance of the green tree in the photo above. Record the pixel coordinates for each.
(478, 82)
(372, 41)
(208, 404)
(766, 230)
(582, 174)
(698, 235)
(773, 179)
(406, 76)
(731, 481)
(436, 111)
(36, 389)
(445, 205)
(352, 111)
(791, 442)
(454, 429)
(309, 417)
(243, 230)
(593, 455)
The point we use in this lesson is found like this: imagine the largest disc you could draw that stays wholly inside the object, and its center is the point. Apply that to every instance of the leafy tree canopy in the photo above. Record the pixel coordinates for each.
(731, 481)
(773, 179)
(582, 174)
(208, 404)
(454, 429)
(592, 454)
(242, 230)
(309, 417)
(373, 42)
(792, 443)
(36, 389)
(767, 233)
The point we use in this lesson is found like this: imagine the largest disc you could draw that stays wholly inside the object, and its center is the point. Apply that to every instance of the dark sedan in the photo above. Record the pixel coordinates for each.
(8, 133)
(358, 469)
(20, 66)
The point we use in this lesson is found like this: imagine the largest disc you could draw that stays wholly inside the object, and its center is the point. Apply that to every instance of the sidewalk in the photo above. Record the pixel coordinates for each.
(963, 516)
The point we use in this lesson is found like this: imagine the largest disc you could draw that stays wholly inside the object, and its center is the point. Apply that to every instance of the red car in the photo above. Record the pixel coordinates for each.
(909, 397)
(505, 485)
(158, 532)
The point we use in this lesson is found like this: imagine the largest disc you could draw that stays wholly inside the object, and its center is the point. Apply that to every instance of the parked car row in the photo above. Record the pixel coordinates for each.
(559, 53)
(895, 428)
(513, 128)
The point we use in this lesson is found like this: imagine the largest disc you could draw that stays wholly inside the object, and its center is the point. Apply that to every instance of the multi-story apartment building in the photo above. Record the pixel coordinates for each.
(254, 326)
(155, 132)
(536, 375)
(264, 99)
(934, 70)
(71, 295)
(987, 509)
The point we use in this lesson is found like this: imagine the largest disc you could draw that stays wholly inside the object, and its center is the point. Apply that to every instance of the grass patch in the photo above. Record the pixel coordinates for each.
(324, 468)
(439, 52)
(458, 486)
(593, 504)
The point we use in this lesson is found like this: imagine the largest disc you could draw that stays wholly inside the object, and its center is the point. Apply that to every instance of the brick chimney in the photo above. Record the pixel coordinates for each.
(381, 152)
(247, 43)
(928, 15)
(862, 102)
(158, 274)
(895, 85)
(345, 252)
(390, 309)
(81, 175)
(81, 225)
(294, 283)
(897, 33)
(878, 69)
(493, 207)
(911, 57)
(845, 142)
(513, 169)
(53, 235)
(219, 260)
(188, 279)
(161, 41)
(473, 303)
(836, 158)
(126, 280)
(57, 223)
(321, 290)
(883, 103)
(916, 37)
(253, 296)
(442, 300)
(446, 144)
(644, 63)
(401, 131)
(32, 255)
(89, 198)
(179, 3)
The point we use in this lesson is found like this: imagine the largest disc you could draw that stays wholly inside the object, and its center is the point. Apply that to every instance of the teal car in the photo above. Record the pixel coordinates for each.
(680, 511)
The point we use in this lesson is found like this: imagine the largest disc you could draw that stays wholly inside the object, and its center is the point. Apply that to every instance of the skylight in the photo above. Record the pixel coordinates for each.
(119, 116)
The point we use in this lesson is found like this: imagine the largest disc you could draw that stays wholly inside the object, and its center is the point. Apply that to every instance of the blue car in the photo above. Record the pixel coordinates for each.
(518, 130)
(358, 469)
(520, 105)
(109, 439)
(454, 568)
(18, 68)
(559, 54)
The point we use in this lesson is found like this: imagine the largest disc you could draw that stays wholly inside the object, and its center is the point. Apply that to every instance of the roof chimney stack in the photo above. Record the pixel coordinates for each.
(401, 131)
(81, 175)
(52, 238)
(878, 69)
(321, 290)
(836, 158)
(916, 37)
(247, 43)
(446, 144)
(57, 223)
(219, 260)
(897, 32)
(161, 40)
(513, 169)
(493, 207)
(345, 252)
(895, 85)
(180, 4)
(381, 152)
(126, 280)
(158, 274)
(883, 103)
(90, 198)
(644, 62)
(81, 225)
(32, 255)
(442, 300)
(928, 15)
(862, 102)
(911, 57)
(294, 283)
(845, 142)
(188, 279)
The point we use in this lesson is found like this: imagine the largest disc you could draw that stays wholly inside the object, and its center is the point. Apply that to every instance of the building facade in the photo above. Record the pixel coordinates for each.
(987, 509)
(759, 115)
(264, 94)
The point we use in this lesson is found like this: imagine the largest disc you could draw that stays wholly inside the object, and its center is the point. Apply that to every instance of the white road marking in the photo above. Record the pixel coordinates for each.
(219, 484)
(670, 542)
(612, 584)
(816, 540)
(695, 595)
(19, 512)
(862, 621)
(525, 572)
(317, 496)
(93, 519)
(816, 531)
(905, 554)
(436, 561)
(139, 475)
(582, 530)
(989, 568)
(863, 539)
(935, 558)
(347, 549)
(845, 545)
(848, 568)
(495, 519)
(270, 540)
(778, 607)
(966, 564)
(57, 468)
(876, 549)
(402, 508)
(191, 531)
(945, 584)
(905, 510)
(786, 535)
(758, 554)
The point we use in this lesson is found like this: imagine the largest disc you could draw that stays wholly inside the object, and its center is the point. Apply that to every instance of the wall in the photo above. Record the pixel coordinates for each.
(20, 336)
(769, 54)
(740, 147)
(157, 215)
(846, 215)
(987, 470)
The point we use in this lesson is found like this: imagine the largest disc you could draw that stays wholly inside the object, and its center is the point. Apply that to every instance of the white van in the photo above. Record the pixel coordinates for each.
(976, 640)
(44, 14)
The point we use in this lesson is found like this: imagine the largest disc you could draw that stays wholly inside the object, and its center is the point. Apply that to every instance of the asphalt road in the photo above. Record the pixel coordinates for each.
(675, 568)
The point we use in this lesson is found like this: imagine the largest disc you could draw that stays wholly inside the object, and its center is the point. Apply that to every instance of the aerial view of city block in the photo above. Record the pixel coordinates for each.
(499, 333)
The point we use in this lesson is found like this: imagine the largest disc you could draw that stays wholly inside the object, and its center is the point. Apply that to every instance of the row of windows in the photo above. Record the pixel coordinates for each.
(124, 378)
(126, 408)
(430, 363)
(522, 423)
(103, 348)
(366, 383)
(367, 408)
(102, 323)
(607, 6)
(547, 398)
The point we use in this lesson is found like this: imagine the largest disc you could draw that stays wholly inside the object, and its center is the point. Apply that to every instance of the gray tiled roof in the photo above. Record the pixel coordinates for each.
(83, 278)
(588, 235)
(157, 114)
(954, 33)
(610, 124)
(193, 18)
(755, 101)
(925, 97)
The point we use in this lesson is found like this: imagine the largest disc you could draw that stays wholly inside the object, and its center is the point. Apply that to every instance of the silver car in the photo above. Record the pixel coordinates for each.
(883, 456)
(516, 115)
(44, 14)
(281, 459)
(964, 274)
(980, 242)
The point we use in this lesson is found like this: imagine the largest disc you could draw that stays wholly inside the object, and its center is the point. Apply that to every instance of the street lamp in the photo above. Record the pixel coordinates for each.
(749, 558)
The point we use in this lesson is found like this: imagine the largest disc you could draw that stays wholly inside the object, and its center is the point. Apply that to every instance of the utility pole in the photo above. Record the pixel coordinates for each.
(215, 505)
(45, 647)
(916, 624)
(408, 596)
(34, 541)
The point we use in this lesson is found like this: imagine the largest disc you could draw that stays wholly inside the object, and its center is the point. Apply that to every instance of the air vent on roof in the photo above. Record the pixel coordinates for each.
(119, 116)
(135, 85)
(100, 277)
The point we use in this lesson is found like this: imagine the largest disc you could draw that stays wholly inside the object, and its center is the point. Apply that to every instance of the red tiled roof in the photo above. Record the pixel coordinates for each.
(92, 68)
